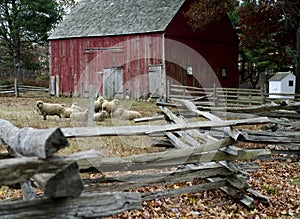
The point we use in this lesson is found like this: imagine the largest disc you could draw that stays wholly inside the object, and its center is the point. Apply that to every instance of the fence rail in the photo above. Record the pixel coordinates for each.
(209, 157)
(16, 89)
(219, 96)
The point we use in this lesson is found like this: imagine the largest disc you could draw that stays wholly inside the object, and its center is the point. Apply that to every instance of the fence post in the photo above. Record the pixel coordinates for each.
(215, 95)
(57, 85)
(263, 97)
(16, 87)
(168, 82)
(52, 86)
(91, 106)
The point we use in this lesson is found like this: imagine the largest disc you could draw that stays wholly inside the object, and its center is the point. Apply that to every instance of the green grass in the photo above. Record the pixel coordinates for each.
(296, 181)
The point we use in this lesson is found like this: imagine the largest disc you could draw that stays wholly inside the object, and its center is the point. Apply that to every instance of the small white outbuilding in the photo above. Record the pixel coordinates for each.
(282, 83)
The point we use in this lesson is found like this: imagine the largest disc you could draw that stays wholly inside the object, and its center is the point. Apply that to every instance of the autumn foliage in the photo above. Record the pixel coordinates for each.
(271, 25)
(203, 12)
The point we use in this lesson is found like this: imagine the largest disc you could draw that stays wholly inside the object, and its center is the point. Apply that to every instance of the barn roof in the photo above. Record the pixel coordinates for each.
(117, 17)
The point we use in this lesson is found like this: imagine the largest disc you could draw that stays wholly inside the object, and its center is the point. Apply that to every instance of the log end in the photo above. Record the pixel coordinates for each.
(55, 142)
(65, 184)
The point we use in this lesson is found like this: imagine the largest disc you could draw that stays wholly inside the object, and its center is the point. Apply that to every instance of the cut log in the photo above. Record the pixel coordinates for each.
(32, 142)
(16, 170)
(87, 205)
(63, 184)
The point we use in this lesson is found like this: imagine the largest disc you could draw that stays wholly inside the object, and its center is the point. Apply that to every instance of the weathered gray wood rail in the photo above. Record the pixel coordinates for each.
(153, 129)
(58, 177)
(28, 141)
(15, 89)
(40, 143)
(224, 96)
(190, 147)
(87, 205)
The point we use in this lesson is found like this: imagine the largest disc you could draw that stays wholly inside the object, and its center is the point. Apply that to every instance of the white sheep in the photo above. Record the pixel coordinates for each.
(98, 104)
(77, 107)
(48, 109)
(100, 116)
(79, 116)
(110, 106)
(127, 114)
(67, 112)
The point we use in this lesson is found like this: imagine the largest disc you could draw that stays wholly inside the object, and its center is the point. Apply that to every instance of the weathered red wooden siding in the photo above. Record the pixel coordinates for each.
(80, 61)
(217, 44)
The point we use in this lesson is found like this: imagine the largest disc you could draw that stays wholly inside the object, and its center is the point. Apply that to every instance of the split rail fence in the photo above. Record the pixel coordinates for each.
(16, 89)
(219, 96)
(203, 151)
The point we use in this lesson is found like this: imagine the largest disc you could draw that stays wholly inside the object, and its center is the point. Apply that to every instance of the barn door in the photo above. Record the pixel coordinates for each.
(155, 78)
(113, 83)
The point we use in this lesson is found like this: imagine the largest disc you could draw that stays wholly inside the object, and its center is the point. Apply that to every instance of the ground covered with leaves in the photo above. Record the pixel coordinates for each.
(279, 180)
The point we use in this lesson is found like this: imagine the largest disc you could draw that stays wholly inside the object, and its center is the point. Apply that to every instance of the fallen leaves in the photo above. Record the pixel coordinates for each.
(275, 179)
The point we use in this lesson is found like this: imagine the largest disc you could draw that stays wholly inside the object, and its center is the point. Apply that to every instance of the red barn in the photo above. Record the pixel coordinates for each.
(135, 47)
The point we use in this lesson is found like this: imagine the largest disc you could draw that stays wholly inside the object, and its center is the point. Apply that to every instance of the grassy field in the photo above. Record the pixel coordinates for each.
(21, 113)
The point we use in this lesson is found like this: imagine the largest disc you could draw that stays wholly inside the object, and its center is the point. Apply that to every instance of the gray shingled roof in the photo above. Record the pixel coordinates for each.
(279, 76)
(117, 17)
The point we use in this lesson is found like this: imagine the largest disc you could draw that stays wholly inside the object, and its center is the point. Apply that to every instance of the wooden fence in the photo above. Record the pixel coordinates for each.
(202, 150)
(218, 96)
(16, 89)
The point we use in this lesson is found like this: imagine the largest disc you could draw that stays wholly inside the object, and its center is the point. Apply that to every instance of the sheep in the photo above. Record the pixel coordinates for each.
(100, 116)
(79, 116)
(67, 112)
(77, 107)
(98, 103)
(127, 114)
(49, 109)
(110, 106)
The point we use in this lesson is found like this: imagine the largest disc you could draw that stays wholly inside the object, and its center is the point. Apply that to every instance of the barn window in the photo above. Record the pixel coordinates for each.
(223, 72)
(291, 83)
(189, 70)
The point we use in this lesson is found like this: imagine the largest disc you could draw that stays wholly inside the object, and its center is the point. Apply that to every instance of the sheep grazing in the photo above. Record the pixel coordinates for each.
(98, 104)
(127, 114)
(110, 106)
(75, 106)
(67, 112)
(49, 109)
(100, 116)
(79, 116)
